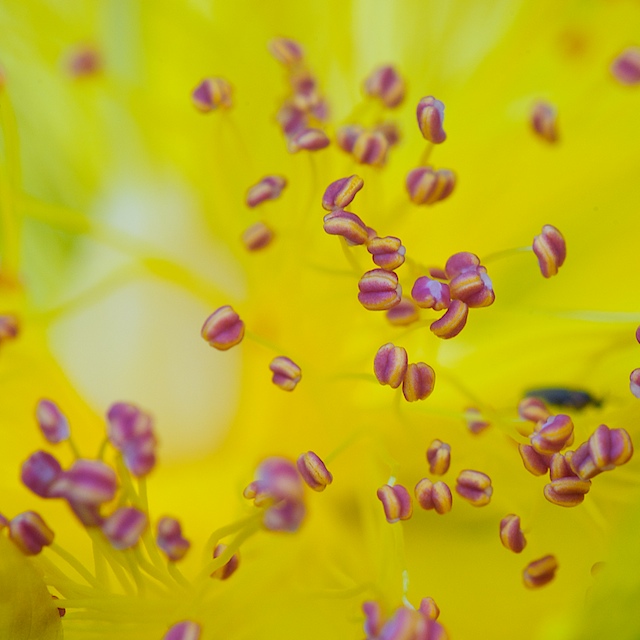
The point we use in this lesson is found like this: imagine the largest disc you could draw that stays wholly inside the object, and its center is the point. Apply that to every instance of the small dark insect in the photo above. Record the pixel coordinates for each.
(570, 398)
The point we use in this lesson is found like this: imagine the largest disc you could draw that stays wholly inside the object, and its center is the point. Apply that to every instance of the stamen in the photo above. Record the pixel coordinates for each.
(474, 287)
(605, 449)
(286, 51)
(223, 329)
(124, 527)
(347, 135)
(431, 294)
(229, 568)
(544, 121)
(340, 194)
(291, 119)
(370, 147)
(429, 608)
(626, 67)
(30, 533)
(386, 84)
(419, 382)
(550, 249)
(459, 263)
(347, 225)
(83, 61)
(567, 492)
(403, 314)
(390, 365)
(428, 186)
(39, 472)
(439, 457)
(559, 467)
(212, 93)
(475, 487)
(183, 631)
(540, 572)
(130, 430)
(373, 618)
(257, 236)
(475, 422)
(313, 471)
(452, 322)
(379, 290)
(434, 495)
(430, 114)
(87, 482)
(286, 373)
(388, 253)
(309, 140)
(634, 382)
(170, 539)
(269, 188)
(533, 409)
(396, 502)
(553, 435)
(52, 422)
(511, 534)
(9, 328)
(533, 462)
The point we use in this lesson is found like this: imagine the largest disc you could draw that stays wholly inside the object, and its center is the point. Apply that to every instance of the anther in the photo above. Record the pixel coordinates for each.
(626, 67)
(511, 534)
(428, 186)
(553, 435)
(439, 457)
(475, 487)
(431, 294)
(30, 532)
(379, 290)
(390, 365)
(544, 121)
(390, 131)
(534, 462)
(308, 139)
(434, 495)
(370, 147)
(346, 224)
(396, 502)
(124, 527)
(475, 422)
(286, 373)
(419, 382)
(52, 422)
(388, 253)
(223, 329)
(533, 409)
(634, 382)
(430, 114)
(385, 83)
(347, 135)
(474, 287)
(567, 492)
(9, 327)
(291, 119)
(229, 568)
(540, 572)
(404, 313)
(212, 93)
(340, 193)
(39, 472)
(87, 482)
(429, 608)
(83, 61)
(452, 322)
(605, 450)
(550, 249)
(459, 263)
(170, 539)
(313, 471)
(269, 188)
(257, 236)
(559, 467)
(186, 630)
(286, 51)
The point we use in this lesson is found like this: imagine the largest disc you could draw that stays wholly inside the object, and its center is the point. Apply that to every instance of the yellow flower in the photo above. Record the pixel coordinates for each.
(124, 226)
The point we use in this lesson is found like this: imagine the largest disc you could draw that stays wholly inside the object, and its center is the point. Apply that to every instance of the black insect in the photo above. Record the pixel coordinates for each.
(569, 398)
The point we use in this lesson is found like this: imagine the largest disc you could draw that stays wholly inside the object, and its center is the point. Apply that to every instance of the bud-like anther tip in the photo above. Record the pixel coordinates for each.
(550, 249)
(430, 114)
(286, 373)
(223, 329)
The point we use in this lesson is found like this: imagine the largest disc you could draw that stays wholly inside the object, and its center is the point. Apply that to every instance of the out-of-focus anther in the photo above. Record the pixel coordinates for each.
(626, 67)
(269, 188)
(185, 630)
(430, 114)
(544, 121)
(386, 84)
(9, 327)
(476, 423)
(404, 313)
(52, 422)
(212, 93)
(257, 236)
(286, 51)
(370, 147)
(308, 139)
(124, 527)
(226, 570)
(170, 539)
(286, 373)
(30, 533)
(540, 572)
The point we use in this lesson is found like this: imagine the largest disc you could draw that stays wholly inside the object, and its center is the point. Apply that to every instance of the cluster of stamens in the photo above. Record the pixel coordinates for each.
(406, 623)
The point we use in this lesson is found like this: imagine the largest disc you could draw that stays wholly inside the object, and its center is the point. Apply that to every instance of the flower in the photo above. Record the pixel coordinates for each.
(122, 217)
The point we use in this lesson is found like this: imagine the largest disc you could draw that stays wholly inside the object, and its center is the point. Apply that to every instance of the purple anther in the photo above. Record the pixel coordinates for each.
(452, 322)
(269, 188)
(430, 114)
(373, 619)
(39, 473)
(340, 194)
(4, 522)
(550, 249)
(291, 119)
(475, 487)
(388, 253)
(305, 90)
(286, 51)
(559, 467)
(124, 527)
(30, 532)
(390, 365)
(9, 327)
(83, 61)
(439, 457)
(460, 262)
(286, 373)
(52, 422)
(474, 287)
(431, 294)
(404, 624)
(404, 313)
(379, 290)
(370, 148)
(348, 225)
(170, 539)
(419, 382)
(396, 502)
(229, 568)
(610, 448)
(533, 462)
(130, 430)
(533, 410)
(185, 630)
(257, 236)
(434, 495)
(544, 121)
(511, 534)
(553, 435)
(427, 186)
(540, 572)
(626, 67)
(385, 83)
(347, 135)
(223, 329)
(567, 492)
(390, 131)
(475, 421)
(212, 93)
(308, 139)
(313, 471)
(634, 382)
(88, 482)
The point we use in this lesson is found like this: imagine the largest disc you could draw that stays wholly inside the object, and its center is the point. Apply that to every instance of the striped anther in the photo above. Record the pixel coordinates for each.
(314, 471)
(439, 457)
(434, 495)
(212, 93)
(223, 329)
(544, 121)
(340, 194)
(379, 290)
(511, 534)
(550, 249)
(390, 365)
(30, 533)
(540, 572)
(257, 236)
(452, 322)
(269, 188)
(396, 502)
(286, 373)
(419, 382)
(430, 115)
(475, 487)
